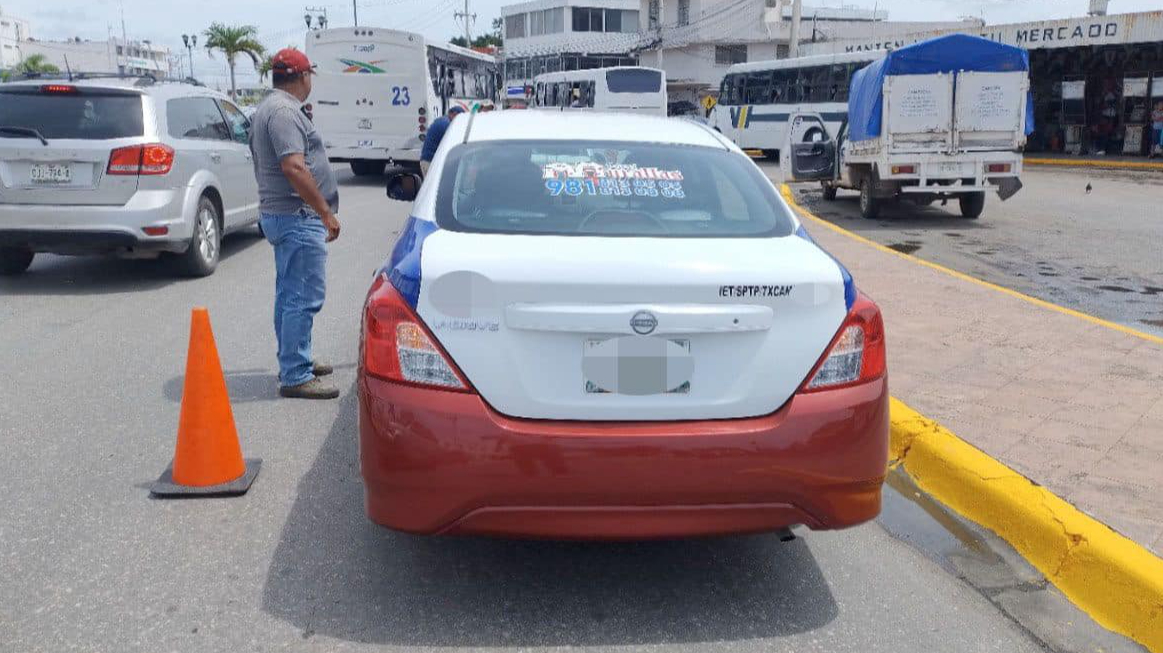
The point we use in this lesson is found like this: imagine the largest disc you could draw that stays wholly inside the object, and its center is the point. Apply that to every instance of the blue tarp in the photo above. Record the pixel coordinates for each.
(944, 54)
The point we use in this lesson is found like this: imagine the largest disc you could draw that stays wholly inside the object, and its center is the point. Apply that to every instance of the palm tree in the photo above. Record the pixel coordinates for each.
(36, 63)
(232, 41)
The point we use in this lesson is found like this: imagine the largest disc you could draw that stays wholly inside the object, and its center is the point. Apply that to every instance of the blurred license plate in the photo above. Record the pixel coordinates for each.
(950, 167)
(593, 388)
(50, 173)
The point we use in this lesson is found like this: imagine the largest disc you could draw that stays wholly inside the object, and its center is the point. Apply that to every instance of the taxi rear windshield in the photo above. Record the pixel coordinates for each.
(607, 189)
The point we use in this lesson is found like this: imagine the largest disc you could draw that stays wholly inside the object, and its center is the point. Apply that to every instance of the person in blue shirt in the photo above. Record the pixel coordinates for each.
(434, 135)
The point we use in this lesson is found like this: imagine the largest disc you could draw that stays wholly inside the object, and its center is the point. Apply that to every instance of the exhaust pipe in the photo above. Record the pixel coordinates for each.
(785, 535)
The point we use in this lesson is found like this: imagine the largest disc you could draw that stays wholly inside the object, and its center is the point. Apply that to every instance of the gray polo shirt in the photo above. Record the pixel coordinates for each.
(279, 128)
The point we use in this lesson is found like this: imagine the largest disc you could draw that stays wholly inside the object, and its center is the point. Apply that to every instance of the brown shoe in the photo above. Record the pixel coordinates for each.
(321, 369)
(313, 389)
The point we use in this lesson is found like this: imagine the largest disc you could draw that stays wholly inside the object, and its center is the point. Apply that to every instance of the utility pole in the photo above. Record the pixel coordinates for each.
(797, 14)
(320, 17)
(661, 22)
(468, 18)
(355, 12)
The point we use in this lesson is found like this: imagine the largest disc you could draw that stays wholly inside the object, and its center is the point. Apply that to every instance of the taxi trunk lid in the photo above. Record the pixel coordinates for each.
(596, 328)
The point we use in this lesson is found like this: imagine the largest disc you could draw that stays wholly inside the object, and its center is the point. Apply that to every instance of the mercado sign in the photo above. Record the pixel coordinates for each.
(1145, 27)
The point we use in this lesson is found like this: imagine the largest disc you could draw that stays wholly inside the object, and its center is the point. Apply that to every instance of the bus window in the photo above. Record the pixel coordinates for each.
(724, 95)
(634, 81)
(792, 84)
(759, 87)
(589, 93)
(822, 89)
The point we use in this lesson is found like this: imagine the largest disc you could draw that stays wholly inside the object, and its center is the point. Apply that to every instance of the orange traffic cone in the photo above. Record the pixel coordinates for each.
(208, 459)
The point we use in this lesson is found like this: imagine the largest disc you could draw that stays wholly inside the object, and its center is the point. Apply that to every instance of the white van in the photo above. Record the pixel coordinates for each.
(629, 89)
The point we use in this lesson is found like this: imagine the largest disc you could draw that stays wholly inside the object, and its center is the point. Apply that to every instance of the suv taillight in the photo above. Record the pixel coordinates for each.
(151, 159)
(398, 347)
(857, 353)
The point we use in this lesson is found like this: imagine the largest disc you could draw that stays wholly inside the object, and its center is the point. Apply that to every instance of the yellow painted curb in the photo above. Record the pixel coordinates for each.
(1087, 163)
(786, 191)
(1111, 578)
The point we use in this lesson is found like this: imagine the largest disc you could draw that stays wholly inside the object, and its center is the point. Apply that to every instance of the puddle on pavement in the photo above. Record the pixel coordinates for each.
(907, 247)
(1154, 323)
(952, 234)
(993, 568)
(1115, 288)
(1090, 278)
(1151, 290)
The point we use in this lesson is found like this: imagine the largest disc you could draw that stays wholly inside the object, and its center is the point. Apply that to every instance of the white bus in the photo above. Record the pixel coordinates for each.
(755, 99)
(630, 89)
(377, 90)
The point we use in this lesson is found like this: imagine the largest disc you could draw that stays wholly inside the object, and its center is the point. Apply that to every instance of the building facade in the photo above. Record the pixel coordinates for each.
(546, 36)
(695, 41)
(13, 32)
(1095, 79)
(111, 56)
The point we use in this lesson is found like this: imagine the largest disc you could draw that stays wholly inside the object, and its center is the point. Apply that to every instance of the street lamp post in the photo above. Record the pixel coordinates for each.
(191, 42)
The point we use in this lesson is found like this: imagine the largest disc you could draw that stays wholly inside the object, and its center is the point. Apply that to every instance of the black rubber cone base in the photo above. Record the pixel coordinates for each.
(165, 487)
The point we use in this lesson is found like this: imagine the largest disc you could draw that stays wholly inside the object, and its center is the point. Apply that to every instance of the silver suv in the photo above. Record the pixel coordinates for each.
(123, 166)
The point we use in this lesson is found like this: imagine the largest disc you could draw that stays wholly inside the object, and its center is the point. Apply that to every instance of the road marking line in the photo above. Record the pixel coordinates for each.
(1087, 163)
(788, 195)
(1110, 577)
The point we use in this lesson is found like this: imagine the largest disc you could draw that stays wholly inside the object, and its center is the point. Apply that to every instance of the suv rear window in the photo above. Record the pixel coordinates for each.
(633, 81)
(82, 113)
(607, 189)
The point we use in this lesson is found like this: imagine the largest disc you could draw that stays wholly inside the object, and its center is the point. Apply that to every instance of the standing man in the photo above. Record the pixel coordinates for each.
(433, 137)
(298, 199)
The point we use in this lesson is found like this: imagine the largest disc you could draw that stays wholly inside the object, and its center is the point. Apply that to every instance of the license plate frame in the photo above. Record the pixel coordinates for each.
(951, 168)
(48, 174)
(590, 388)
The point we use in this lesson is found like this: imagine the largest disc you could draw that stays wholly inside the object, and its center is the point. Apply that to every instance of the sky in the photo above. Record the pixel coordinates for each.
(280, 22)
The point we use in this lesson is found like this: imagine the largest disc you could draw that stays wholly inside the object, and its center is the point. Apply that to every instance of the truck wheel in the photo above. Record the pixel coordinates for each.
(14, 260)
(869, 204)
(201, 258)
(367, 168)
(829, 191)
(972, 204)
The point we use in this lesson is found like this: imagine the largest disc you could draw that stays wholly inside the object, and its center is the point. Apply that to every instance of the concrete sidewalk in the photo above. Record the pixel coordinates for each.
(1074, 405)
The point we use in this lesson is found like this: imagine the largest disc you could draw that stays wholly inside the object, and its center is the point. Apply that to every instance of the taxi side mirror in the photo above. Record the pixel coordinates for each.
(403, 186)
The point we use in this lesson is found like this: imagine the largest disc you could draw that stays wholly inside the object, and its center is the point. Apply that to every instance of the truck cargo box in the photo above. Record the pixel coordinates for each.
(950, 93)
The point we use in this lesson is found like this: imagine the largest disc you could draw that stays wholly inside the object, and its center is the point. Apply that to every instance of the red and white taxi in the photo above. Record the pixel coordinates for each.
(609, 327)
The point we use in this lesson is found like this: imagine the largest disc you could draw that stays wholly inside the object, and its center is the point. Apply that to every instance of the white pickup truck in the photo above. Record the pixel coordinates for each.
(942, 119)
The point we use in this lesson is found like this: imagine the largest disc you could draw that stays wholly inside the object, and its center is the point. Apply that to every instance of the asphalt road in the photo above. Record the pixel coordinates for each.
(1099, 252)
(91, 381)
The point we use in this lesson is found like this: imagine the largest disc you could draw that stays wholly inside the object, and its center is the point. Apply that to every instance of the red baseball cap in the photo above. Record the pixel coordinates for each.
(290, 61)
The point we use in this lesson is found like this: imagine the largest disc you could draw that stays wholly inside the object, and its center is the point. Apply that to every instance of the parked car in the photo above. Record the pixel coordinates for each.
(610, 326)
(124, 166)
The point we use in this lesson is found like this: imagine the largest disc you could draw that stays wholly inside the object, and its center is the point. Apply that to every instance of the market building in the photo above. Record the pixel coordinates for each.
(1095, 79)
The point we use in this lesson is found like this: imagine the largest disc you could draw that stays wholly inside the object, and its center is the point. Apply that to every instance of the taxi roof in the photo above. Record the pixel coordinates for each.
(533, 124)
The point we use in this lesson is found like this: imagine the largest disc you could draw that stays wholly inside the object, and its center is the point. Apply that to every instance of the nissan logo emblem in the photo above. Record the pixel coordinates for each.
(643, 323)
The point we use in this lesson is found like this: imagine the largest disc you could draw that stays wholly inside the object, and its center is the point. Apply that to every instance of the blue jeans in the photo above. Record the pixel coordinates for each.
(300, 285)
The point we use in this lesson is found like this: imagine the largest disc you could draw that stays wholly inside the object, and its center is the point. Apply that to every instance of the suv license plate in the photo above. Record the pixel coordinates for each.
(50, 173)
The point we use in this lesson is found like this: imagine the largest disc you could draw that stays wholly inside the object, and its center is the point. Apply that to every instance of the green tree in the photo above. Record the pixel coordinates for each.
(233, 41)
(36, 63)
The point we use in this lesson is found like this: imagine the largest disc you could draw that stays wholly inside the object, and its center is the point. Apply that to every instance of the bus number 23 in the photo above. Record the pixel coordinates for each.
(400, 97)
